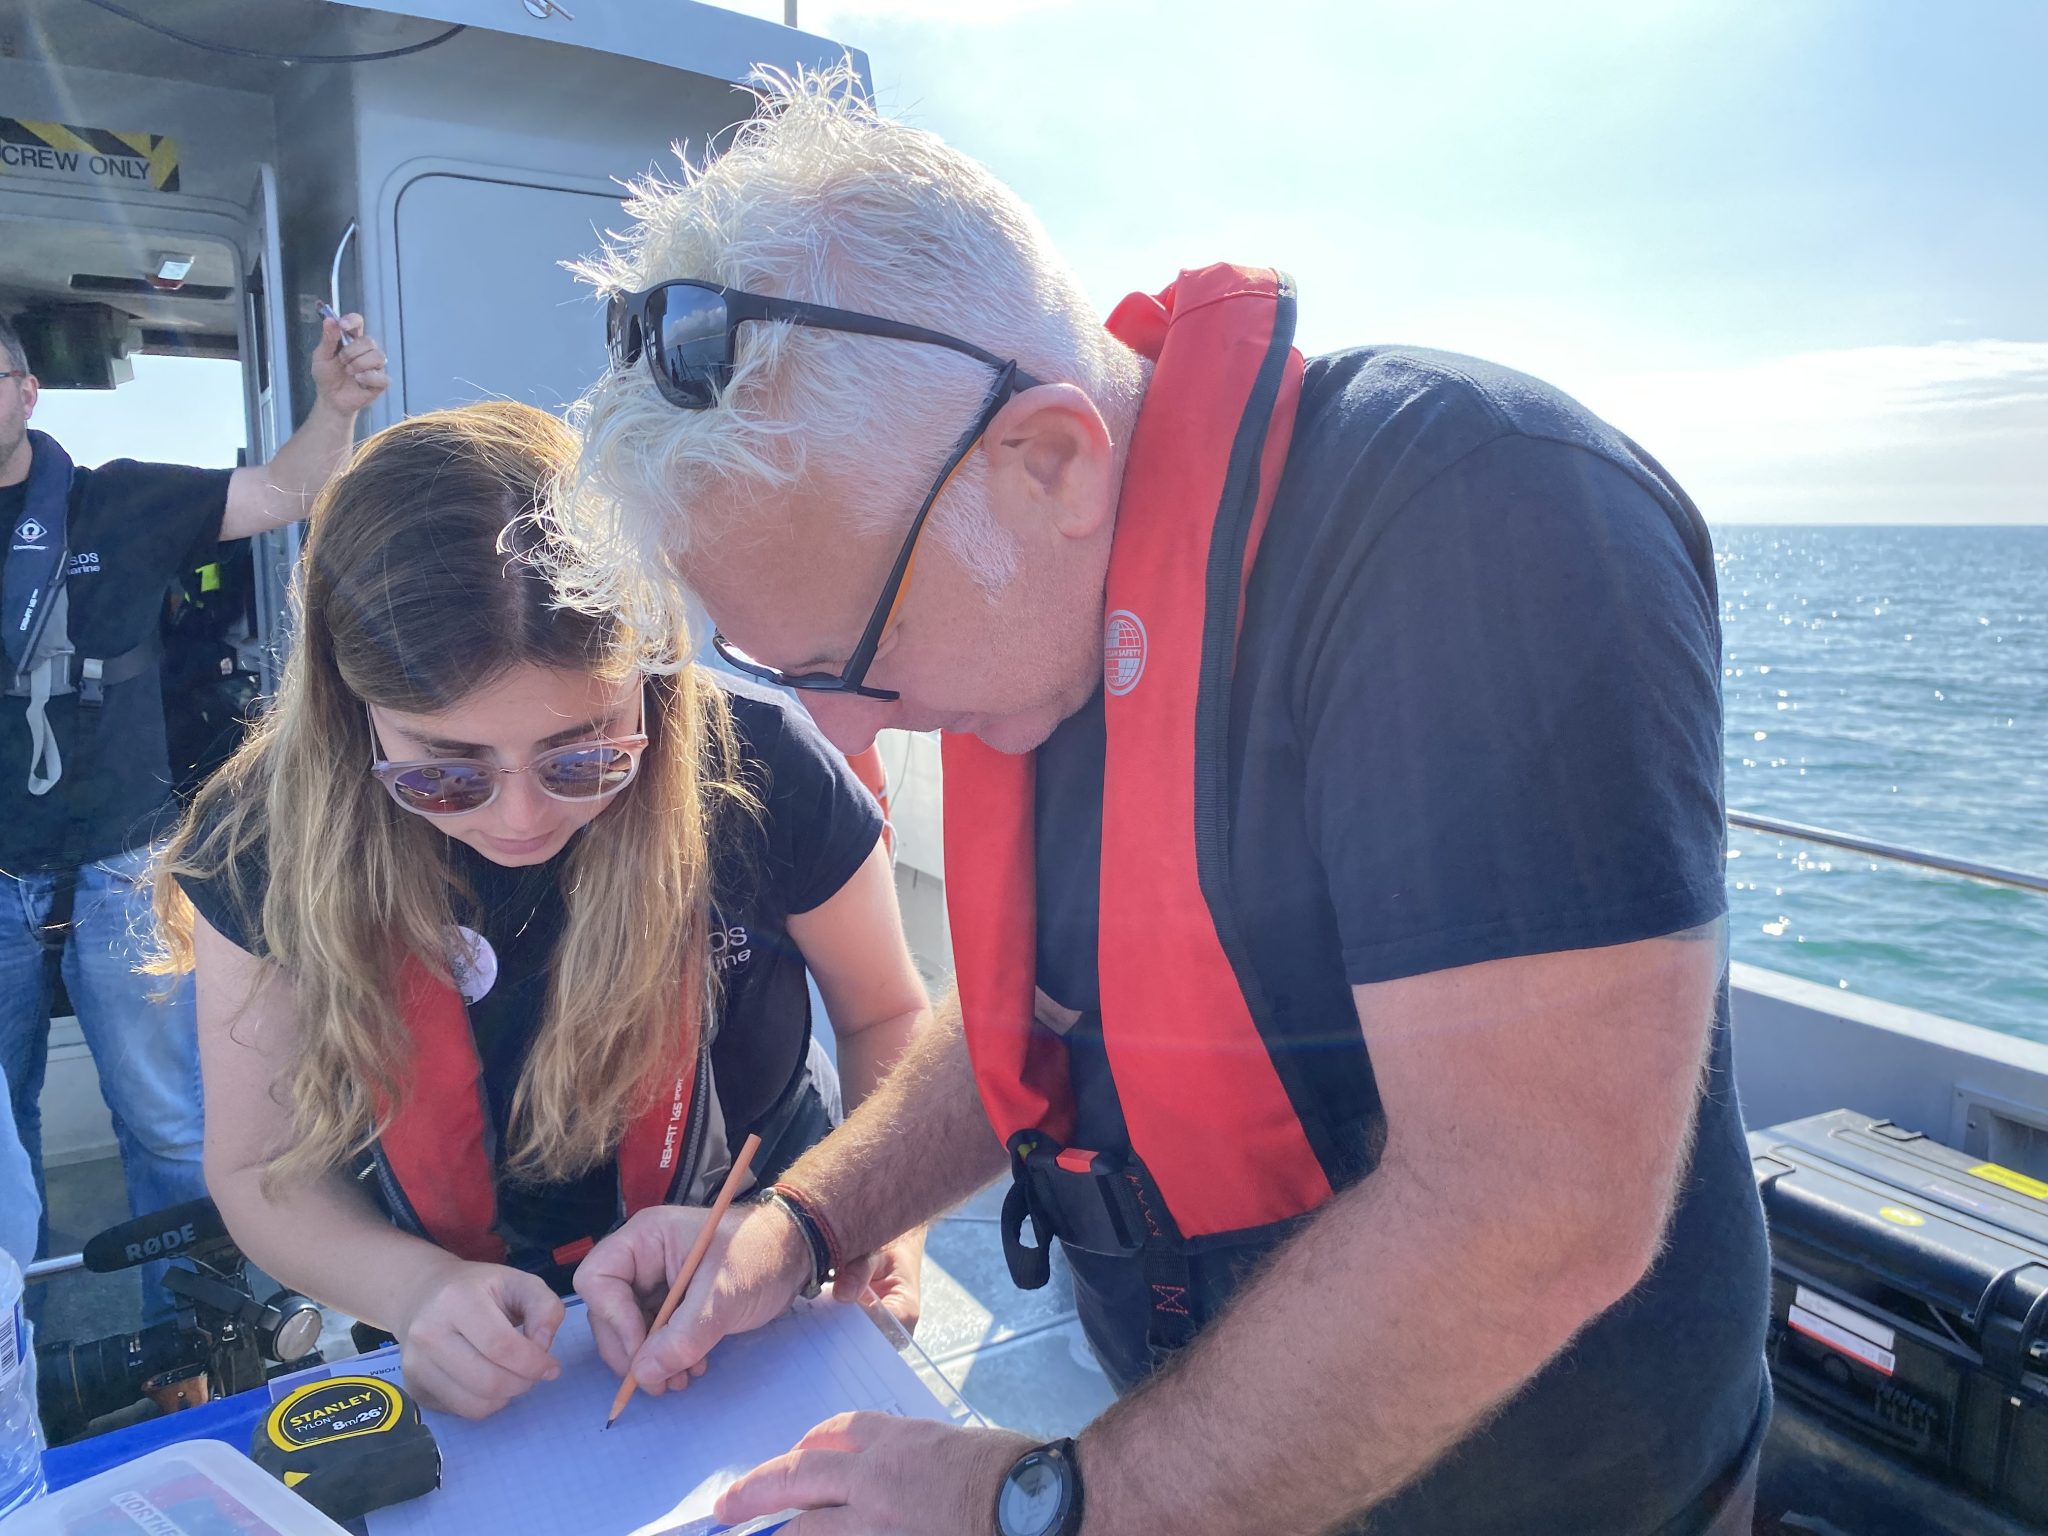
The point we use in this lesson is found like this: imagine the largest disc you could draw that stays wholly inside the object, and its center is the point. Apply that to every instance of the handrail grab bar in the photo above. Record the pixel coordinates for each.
(1991, 874)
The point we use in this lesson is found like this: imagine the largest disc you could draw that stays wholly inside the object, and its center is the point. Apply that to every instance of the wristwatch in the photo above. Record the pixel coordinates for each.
(1041, 1495)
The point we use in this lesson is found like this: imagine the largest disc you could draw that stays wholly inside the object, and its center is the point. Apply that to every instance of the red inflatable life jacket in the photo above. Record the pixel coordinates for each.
(437, 1145)
(1217, 1144)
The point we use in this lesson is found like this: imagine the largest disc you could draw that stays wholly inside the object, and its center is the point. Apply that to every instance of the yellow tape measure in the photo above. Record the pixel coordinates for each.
(349, 1445)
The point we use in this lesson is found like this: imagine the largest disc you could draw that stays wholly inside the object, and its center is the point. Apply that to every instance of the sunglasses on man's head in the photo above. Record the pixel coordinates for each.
(688, 330)
(456, 786)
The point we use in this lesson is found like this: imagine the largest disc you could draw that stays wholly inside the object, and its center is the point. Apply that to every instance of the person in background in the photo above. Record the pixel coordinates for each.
(501, 940)
(1333, 857)
(85, 782)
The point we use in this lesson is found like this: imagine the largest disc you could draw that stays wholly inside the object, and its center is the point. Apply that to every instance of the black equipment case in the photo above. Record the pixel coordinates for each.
(1909, 1297)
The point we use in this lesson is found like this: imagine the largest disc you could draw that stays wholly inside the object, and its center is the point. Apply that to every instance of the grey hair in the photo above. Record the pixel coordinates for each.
(10, 343)
(819, 197)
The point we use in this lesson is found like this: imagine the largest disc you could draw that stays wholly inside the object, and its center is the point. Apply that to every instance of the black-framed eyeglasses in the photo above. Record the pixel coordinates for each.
(688, 330)
(852, 678)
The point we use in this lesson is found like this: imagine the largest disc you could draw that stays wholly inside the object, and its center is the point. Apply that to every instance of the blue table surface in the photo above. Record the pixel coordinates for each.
(232, 1419)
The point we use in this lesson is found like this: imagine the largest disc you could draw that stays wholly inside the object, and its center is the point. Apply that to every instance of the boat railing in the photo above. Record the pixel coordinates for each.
(1973, 869)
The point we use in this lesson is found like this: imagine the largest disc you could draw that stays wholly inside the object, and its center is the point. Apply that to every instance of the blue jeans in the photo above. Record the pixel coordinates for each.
(146, 1049)
(21, 1206)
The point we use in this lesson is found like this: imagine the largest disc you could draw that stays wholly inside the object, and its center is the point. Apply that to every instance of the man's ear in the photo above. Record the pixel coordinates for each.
(30, 388)
(1050, 446)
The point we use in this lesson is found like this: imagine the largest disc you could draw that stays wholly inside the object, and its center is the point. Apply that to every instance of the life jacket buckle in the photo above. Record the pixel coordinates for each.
(1085, 1199)
(91, 689)
(570, 1254)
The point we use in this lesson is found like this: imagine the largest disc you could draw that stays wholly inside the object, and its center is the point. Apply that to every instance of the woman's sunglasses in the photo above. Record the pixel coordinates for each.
(455, 786)
(688, 331)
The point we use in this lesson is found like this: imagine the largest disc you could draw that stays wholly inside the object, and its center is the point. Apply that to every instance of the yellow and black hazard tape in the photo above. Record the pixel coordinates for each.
(89, 154)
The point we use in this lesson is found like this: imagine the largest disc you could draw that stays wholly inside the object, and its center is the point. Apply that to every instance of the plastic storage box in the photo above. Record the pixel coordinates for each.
(193, 1488)
(1909, 1298)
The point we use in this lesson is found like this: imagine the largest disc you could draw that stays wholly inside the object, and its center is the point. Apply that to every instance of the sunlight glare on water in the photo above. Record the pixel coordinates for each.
(1891, 682)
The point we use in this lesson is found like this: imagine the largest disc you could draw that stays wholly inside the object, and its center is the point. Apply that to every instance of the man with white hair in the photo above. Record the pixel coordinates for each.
(1334, 845)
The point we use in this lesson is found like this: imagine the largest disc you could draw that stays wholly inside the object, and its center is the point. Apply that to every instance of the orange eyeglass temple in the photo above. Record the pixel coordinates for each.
(910, 565)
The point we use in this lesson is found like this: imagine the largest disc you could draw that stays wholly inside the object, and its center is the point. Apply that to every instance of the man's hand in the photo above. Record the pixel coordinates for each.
(873, 1474)
(475, 1336)
(350, 377)
(751, 1275)
(894, 1272)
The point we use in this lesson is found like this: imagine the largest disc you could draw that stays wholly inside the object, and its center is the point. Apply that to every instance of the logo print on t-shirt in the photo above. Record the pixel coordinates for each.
(473, 964)
(1123, 652)
(30, 534)
(730, 947)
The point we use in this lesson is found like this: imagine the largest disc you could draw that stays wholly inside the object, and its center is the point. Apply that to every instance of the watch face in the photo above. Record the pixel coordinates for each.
(1033, 1497)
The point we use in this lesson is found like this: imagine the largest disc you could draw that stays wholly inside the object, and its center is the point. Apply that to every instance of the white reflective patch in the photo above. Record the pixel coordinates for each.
(1845, 1317)
(1855, 1346)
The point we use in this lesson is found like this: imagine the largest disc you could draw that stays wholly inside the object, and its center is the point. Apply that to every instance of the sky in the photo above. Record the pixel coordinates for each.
(1793, 247)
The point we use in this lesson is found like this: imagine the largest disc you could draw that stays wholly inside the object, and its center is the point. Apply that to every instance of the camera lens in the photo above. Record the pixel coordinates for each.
(76, 1383)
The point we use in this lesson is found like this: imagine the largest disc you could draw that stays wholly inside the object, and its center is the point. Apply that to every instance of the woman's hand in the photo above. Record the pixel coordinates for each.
(475, 1336)
(895, 1272)
(753, 1271)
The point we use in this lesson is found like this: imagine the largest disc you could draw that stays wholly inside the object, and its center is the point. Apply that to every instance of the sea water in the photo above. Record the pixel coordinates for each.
(1891, 682)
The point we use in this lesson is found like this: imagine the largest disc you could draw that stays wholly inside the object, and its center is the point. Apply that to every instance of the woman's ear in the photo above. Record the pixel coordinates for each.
(1049, 449)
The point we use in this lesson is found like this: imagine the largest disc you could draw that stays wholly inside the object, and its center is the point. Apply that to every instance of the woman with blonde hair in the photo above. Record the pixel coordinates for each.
(501, 939)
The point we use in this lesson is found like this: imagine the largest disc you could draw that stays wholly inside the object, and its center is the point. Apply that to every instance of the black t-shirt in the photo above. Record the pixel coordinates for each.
(818, 825)
(1476, 715)
(131, 529)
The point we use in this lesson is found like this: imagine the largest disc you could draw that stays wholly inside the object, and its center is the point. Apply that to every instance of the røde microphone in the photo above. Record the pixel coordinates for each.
(195, 1225)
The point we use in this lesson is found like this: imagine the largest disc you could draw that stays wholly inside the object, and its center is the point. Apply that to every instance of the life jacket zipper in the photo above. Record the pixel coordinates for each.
(696, 1126)
(395, 1201)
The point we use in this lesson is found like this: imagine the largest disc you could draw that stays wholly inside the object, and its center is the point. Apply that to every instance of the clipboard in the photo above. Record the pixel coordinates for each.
(927, 1371)
(234, 1419)
(546, 1463)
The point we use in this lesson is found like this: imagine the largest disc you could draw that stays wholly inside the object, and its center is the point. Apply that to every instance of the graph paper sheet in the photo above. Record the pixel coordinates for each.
(547, 1465)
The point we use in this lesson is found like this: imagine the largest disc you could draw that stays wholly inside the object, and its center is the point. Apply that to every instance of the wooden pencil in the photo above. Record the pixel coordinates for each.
(741, 1166)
